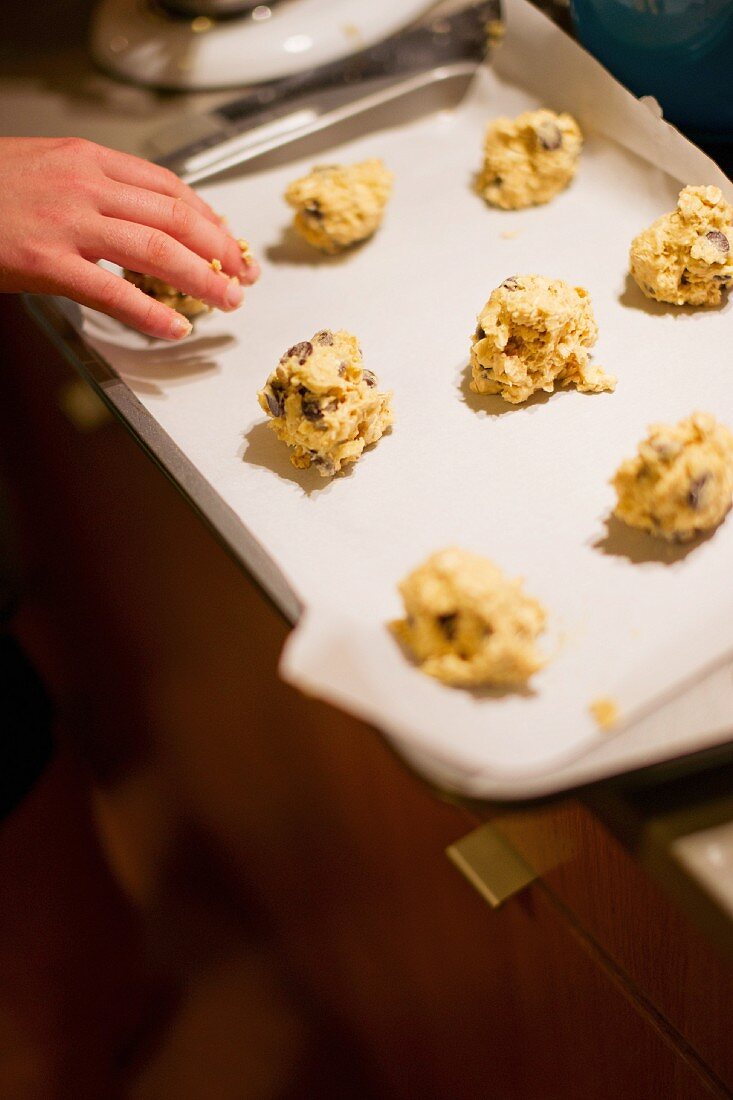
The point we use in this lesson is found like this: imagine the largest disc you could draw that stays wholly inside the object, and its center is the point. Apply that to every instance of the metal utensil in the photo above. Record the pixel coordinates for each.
(448, 45)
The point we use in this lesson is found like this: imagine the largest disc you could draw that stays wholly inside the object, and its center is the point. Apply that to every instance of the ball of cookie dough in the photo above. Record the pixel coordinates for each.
(336, 205)
(529, 159)
(531, 334)
(686, 257)
(168, 295)
(468, 624)
(681, 481)
(324, 403)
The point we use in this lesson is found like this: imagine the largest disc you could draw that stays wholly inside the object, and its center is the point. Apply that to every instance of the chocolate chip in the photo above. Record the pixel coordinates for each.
(719, 239)
(311, 406)
(447, 624)
(684, 280)
(275, 401)
(549, 136)
(313, 210)
(512, 283)
(497, 181)
(697, 490)
(342, 368)
(325, 337)
(326, 464)
(479, 333)
(299, 351)
(369, 377)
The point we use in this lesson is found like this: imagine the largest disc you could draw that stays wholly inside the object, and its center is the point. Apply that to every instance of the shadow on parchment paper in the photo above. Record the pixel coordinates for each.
(293, 249)
(263, 448)
(622, 541)
(519, 691)
(491, 404)
(522, 691)
(173, 364)
(632, 297)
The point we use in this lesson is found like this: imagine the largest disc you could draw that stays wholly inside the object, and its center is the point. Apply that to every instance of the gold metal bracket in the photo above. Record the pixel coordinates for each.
(490, 864)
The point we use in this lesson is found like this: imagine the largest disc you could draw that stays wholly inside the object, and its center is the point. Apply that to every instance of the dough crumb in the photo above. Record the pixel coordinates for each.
(215, 265)
(681, 481)
(167, 294)
(336, 205)
(605, 711)
(686, 257)
(530, 159)
(533, 333)
(510, 234)
(324, 403)
(467, 624)
(245, 251)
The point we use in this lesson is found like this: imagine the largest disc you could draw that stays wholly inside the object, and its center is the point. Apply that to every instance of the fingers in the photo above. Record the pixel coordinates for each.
(182, 222)
(173, 218)
(142, 173)
(154, 252)
(111, 294)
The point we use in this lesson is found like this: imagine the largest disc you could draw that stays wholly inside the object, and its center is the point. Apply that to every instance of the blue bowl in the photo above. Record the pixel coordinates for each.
(679, 51)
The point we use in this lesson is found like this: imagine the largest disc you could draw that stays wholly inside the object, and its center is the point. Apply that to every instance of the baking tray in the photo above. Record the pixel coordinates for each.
(338, 549)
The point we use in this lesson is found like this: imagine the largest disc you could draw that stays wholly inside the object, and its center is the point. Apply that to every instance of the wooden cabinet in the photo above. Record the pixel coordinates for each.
(633, 924)
(589, 984)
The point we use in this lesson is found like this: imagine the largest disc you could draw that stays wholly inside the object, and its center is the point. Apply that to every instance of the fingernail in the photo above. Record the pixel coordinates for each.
(251, 272)
(180, 327)
(235, 294)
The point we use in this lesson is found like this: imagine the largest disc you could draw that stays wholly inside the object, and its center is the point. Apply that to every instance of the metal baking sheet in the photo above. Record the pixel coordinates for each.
(527, 486)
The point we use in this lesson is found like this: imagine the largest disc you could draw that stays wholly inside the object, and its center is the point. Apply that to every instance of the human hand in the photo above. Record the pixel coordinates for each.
(67, 203)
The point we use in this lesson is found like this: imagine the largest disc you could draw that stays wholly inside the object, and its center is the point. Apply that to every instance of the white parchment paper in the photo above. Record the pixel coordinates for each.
(526, 486)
